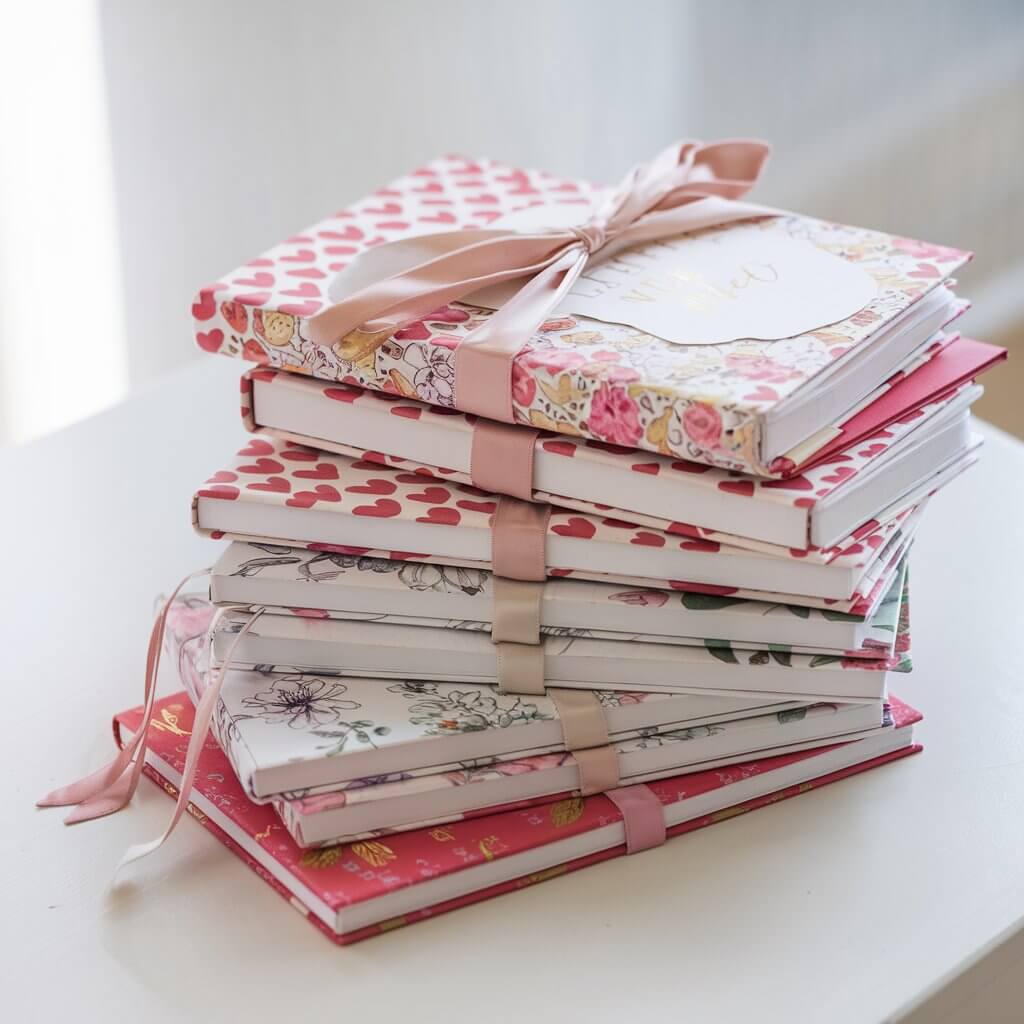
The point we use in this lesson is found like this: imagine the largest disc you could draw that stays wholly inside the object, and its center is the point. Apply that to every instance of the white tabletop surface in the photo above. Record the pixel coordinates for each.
(841, 905)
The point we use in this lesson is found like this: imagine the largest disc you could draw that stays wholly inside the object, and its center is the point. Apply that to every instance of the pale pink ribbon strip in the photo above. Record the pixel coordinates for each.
(581, 717)
(599, 769)
(501, 459)
(682, 189)
(642, 814)
(200, 730)
(515, 633)
(518, 536)
(108, 789)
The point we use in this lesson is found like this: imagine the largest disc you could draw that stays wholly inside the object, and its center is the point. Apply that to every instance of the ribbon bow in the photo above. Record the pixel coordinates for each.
(688, 186)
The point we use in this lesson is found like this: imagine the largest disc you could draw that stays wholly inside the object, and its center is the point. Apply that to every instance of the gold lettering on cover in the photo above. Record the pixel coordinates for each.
(565, 812)
(441, 835)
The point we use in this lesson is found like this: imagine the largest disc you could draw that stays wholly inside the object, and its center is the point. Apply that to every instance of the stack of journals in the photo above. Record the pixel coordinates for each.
(489, 612)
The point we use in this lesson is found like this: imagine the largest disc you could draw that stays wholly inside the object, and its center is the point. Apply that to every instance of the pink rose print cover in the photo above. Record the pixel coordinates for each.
(576, 376)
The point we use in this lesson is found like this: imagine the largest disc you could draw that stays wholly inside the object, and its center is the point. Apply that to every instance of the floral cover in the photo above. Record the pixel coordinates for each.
(803, 492)
(342, 876)
(459, 598)
(576, 376)
(275, 472)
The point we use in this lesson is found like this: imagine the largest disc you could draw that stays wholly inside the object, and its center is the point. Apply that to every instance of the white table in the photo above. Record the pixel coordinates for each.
(842, 905)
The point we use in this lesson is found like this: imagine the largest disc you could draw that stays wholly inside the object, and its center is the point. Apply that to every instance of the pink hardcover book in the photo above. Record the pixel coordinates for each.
(883, 455)
(686, 366)
(277, 491)
(360, 889)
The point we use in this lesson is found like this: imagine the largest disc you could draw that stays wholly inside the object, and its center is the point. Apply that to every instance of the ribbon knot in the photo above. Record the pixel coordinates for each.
(591, 235)
(689, 185)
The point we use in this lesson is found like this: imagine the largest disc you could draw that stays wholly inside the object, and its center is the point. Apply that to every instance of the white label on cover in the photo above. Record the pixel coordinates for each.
(740, 281)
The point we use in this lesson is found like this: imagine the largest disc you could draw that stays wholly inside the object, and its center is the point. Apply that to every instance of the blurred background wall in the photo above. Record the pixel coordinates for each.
(162, 144)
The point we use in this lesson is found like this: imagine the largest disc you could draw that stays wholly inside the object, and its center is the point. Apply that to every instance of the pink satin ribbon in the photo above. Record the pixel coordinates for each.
(656, 200)
(108, 789)
(515, 633)
(519, 532)
(642, 815)
(501, 459)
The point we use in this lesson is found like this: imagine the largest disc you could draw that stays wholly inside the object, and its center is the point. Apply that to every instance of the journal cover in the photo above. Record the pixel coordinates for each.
(279, 491)
(366, 888)
(653, 490)
(361, 588)
(578, 375)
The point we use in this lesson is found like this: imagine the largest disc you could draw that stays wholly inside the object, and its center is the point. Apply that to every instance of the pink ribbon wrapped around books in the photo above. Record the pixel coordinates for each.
(689, 185)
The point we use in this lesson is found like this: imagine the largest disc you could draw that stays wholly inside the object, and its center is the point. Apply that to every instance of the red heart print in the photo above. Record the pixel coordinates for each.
(321, 471)
(871, 451)
(702, 588)
(304, 291)
(560, 448)
(261, 279)
(257, 447)
(254, 298)
(310, 273)
(342, 394)
(236, 315)
(690, 467)
(300, 256)
(374, 486)
(650, 540)
(743, 487)
(350, 234)
(302, 499)
(205, 304)
(210, 341)
(477, 506)
(385, 210)
(487, 215)
(804, 503)
(414, 332)
(651, 468)
(307, 308)
(224, 491)
(447, 315)
(262, 466)
(325, 492)
(925, 270)
(793, 483)
(392, 225)
(441, 516)
(575, 527)
(275, 484)
(484, 197)
(762, 393)
(707, 546)
(299, 455)
(340, 250)
(431, 496)
(382, 508)
(442, 217)
(430, 186)
(409, 412)
(683, 528)
(468, 166)
(222, 476)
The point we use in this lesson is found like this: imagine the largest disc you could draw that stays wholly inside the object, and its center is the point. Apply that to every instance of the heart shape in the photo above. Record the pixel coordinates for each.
(385, 210)
(308, 273)
(373, 486)
(392, 225)
(382, 508)
(305, 290)
(741, 487)
(413, 332)
(299, 455)
(431, 496)
(441, 516)
(707, 546)
(560, 448)
(651, 468)
(257, 447)
(342, 394)
(261, 279)
(205, 304)
(254, 298)
(224, 491)
(650, 540)
(262, 466)
(575, 527)
(350, 234)
(300, 256)
(409, 412)
(442, 217)
(477, 506)
(236, 315)
(210, 341)
(275, 484)
(691, 467)
(307, 308)
(321, 471)
(222, 476)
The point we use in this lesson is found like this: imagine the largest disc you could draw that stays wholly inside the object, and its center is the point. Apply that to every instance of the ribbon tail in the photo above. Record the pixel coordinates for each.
(108, 789)
(200, 730)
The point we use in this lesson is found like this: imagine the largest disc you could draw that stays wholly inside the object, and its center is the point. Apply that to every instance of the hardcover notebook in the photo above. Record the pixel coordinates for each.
(328, 584)
(354, 891)
(278, 491)
(741, 404)
(286, 730)
(856, 479)
(382, 651)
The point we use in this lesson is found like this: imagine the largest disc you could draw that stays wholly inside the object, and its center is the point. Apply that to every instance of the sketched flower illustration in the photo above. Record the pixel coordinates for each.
(301, 702)
(464, 710)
